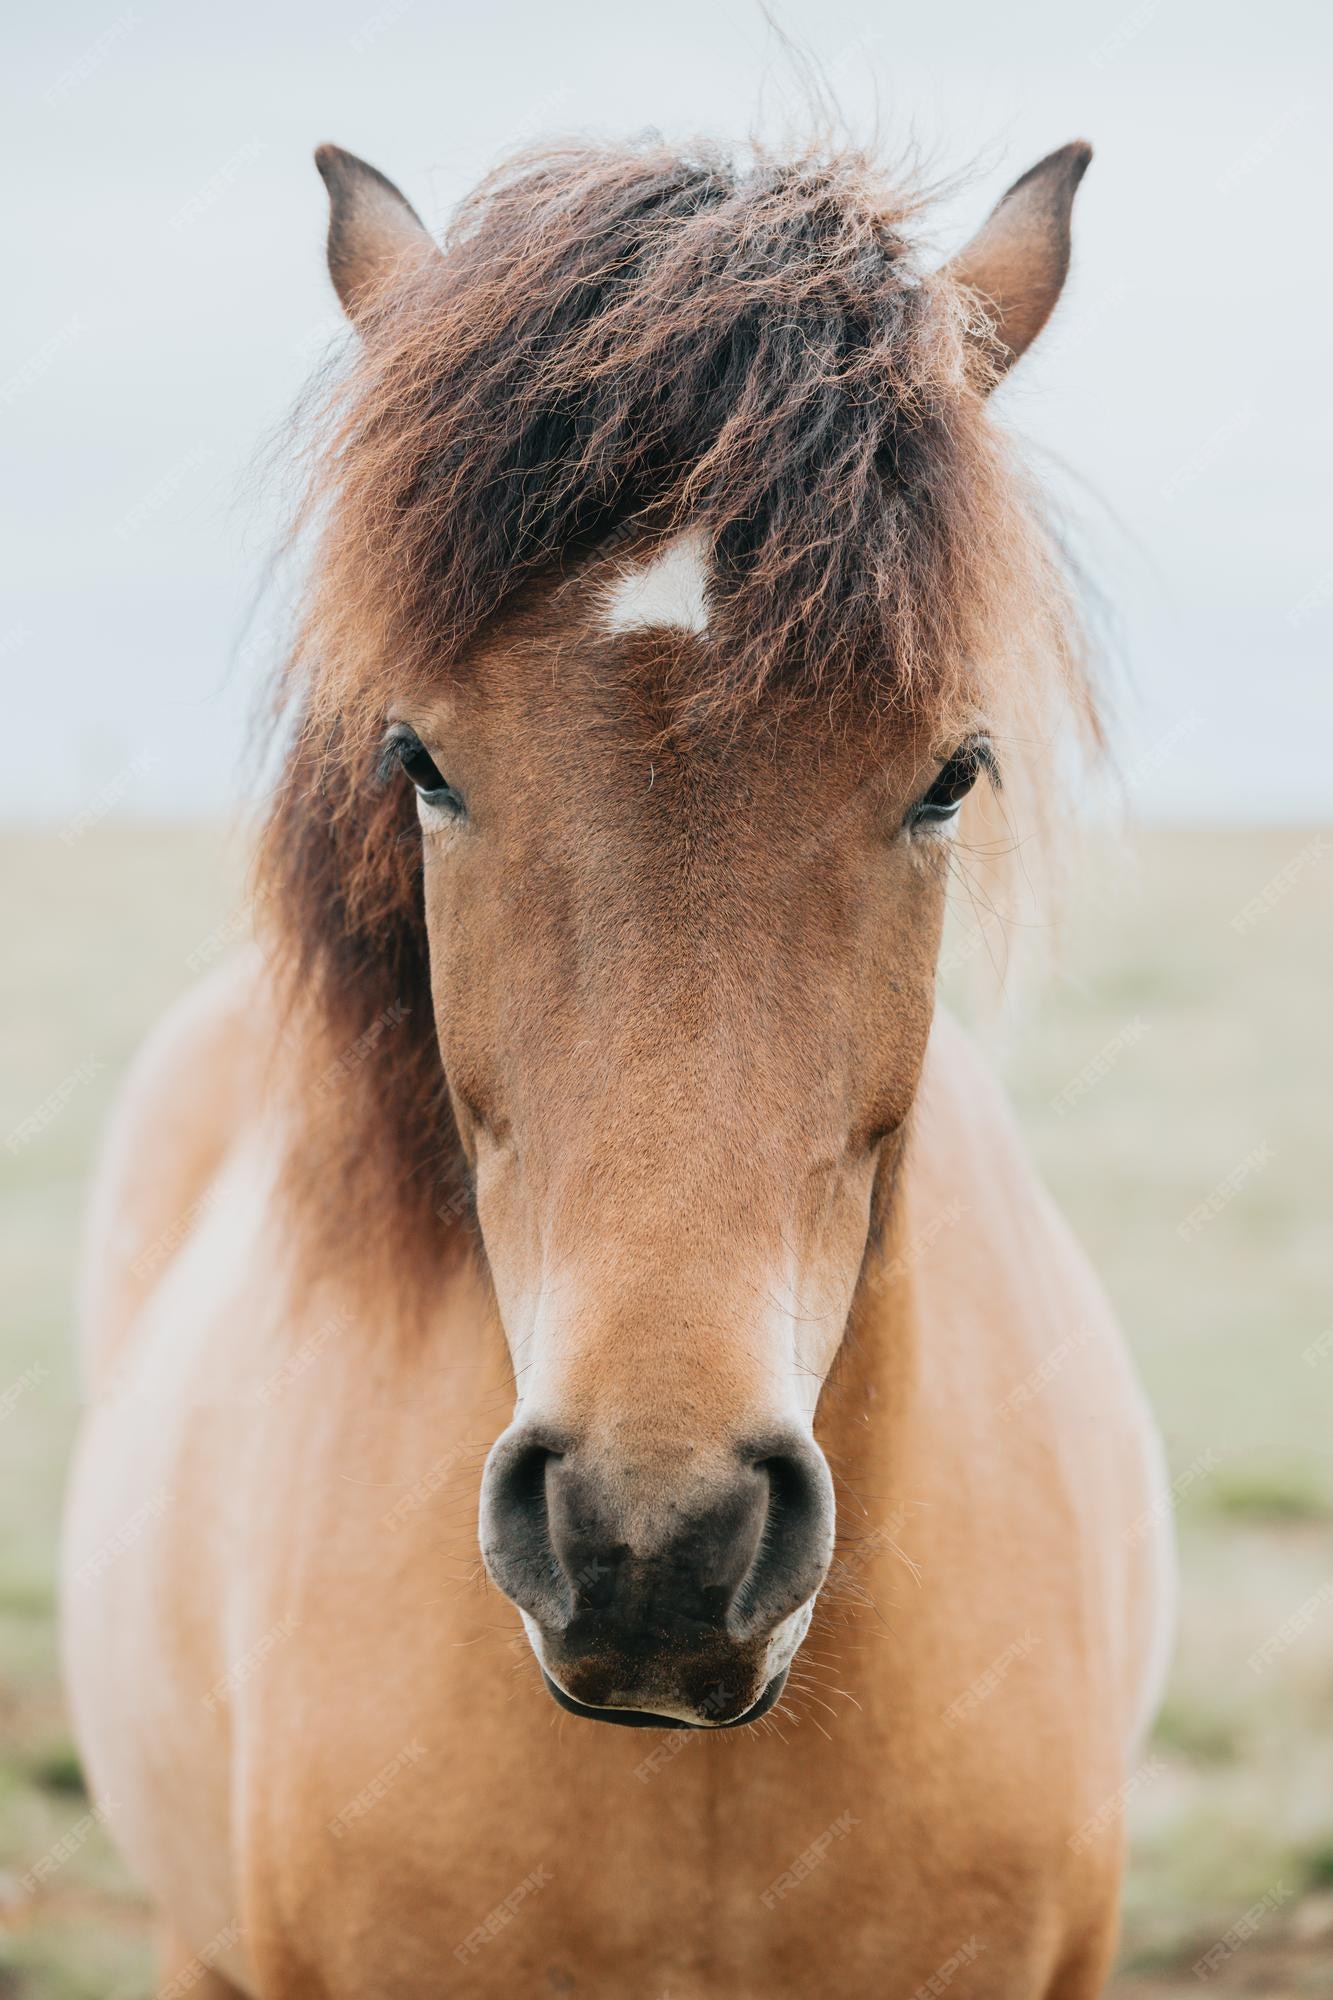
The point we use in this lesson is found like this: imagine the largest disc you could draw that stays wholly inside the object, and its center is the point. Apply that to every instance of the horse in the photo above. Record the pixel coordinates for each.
(576, 1168)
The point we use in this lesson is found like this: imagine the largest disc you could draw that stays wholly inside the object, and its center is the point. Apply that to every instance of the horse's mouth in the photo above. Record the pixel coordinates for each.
(644, 1718)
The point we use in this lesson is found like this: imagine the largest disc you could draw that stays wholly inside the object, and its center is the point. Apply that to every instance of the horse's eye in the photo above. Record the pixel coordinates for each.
(403, 746)
(954, 782)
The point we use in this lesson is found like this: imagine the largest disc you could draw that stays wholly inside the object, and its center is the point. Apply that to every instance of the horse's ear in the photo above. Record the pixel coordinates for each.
(1019, 257)
(374, 232)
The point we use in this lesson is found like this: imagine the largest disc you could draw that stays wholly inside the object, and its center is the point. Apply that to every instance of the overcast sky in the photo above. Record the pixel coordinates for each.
(167, 292)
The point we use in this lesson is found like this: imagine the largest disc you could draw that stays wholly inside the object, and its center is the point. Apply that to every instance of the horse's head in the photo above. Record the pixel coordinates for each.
(683, 980)
(683, 918)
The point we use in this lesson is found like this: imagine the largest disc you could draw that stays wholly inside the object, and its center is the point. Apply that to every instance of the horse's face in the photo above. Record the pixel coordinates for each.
(683, 980)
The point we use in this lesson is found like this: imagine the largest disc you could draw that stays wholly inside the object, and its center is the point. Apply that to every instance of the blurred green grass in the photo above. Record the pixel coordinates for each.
(1215, 1035)
(1213, 1042)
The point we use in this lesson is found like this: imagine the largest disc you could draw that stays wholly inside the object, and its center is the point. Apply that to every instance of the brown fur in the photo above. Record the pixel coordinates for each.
(615, 338)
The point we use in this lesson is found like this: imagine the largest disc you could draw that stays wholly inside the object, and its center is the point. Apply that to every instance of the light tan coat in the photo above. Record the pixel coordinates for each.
(324, 1748)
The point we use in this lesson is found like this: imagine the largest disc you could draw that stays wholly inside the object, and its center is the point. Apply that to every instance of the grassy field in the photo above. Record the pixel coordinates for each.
(1175, 1086)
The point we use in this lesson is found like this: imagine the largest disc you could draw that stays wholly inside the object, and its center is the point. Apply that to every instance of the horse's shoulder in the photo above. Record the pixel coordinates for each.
(195, 1083)
(1052, 1380)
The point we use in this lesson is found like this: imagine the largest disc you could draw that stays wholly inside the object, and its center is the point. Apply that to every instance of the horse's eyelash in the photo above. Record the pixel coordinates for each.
(388, 758)
(984, 752)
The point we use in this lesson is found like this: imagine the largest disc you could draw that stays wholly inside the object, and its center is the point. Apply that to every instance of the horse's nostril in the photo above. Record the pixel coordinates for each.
(519, 1488)
(792, 1491)
(797, 1542)
(515, 1527)
(529, 1474)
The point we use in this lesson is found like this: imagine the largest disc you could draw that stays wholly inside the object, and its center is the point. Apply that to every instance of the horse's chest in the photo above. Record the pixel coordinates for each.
(457, 1833)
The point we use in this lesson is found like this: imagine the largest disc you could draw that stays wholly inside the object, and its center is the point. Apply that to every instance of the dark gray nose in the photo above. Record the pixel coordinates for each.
(727, 1554)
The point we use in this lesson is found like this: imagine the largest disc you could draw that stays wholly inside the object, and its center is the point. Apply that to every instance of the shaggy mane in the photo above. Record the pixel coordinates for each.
(618, 340)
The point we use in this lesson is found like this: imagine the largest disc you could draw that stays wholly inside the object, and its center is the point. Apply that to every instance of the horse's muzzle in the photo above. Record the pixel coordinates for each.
(659, 1594)
(647, 1718)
